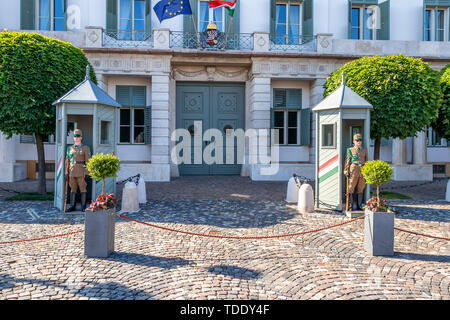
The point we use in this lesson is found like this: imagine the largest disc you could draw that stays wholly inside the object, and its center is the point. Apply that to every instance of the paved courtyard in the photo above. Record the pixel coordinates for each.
(151, 263)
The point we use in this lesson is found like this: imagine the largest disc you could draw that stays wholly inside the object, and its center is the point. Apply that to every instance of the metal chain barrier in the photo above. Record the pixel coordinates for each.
(42, 238)
(130, 179)
(238, 237)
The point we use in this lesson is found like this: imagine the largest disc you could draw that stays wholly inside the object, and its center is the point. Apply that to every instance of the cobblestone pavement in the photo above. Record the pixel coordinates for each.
(150, 263)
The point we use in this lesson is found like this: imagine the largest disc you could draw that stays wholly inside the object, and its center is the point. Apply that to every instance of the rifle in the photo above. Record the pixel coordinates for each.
(346, 205)
(67, 189)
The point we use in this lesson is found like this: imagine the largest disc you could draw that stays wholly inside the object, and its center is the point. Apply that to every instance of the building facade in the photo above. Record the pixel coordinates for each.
(267, 70)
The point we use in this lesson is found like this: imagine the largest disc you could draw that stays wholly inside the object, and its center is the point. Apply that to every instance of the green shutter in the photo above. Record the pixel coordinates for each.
(350, 3)
(123, 95)
(138, 96)
(148, 18)
(272, 118)
(279, 98)
(294, 98)
(65, 15)
(148, 125)
(305, 127)
(27, 15)
(188, 25)
(308, 20)
(273, 13)
(233, 38)
(111, 16)
(384, 32)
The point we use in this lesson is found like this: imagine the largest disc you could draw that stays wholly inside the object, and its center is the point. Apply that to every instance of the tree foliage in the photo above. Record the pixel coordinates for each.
(377, 172)
(102, 166)
(404, 92)
(442, 123)
(35, 71)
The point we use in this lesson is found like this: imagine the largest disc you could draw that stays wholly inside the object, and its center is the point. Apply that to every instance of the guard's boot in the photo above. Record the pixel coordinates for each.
(350, 202)
(360, 200)
(83, 201)
(355, 202)
(71, 207)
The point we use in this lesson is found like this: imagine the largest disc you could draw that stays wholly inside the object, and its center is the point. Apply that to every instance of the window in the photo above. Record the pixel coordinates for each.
(287, 22)
(134, 123)
(105, 132)
(131, 19)
(434, 140)
(286, 115)
(328, 136)
(436, 24)
(51, 15)
(207, 15)
(50, 139)
(363, 20)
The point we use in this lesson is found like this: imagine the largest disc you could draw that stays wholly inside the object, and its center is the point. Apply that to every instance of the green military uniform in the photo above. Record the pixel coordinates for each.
(76, 158)
(355, 159)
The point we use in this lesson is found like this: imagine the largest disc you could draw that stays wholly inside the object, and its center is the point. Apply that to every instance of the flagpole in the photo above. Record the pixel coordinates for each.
(195, 28)
(226, 38)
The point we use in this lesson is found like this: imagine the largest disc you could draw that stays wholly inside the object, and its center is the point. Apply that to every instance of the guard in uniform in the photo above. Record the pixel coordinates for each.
(356, 158)
(77, 157)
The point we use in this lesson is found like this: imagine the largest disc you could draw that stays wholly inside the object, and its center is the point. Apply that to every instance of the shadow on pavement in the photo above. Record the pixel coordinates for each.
(421, 257)
(235, 272)
(148, 261)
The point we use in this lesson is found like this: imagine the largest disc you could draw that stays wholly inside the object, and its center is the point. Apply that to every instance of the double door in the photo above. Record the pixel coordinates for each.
(211, 106)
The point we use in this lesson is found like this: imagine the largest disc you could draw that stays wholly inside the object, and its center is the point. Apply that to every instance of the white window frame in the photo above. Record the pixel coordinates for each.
(286, 125)
(133, 31)
(362, 25)
(51, 16)
(334, 125)
(132, 125)
(433, 23)
(288, 14)
(209, 17)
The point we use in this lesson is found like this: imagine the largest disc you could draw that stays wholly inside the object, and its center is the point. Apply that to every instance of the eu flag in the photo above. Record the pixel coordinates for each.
(166, 9)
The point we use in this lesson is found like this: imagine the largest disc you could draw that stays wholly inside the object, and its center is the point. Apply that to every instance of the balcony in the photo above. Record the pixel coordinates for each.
(184, 40)
(127, 39)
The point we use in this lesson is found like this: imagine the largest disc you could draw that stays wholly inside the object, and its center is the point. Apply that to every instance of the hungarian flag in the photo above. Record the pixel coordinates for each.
(230, 5)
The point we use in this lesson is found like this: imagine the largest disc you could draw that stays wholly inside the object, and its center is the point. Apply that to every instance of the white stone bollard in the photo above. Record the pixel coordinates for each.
(305, 199)
(292, 191)
(130, 201)
(142, 193)
(447, 194)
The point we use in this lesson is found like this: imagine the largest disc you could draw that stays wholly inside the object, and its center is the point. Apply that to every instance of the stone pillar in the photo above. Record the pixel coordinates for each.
(160, 127)
(102, 82)
(324, 43)
(420, 148)
(260, 102)
(261, 41)
(10, 170)
(161, 38)
(399, 152)
(316, 95)
(94, 37)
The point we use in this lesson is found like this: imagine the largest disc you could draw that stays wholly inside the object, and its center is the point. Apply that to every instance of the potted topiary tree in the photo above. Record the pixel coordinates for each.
(100, 215)
(379, 220)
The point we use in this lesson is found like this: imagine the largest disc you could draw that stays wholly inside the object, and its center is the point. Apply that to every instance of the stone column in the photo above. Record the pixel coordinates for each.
(10, 170)
(259, 98)
(160, 127)
(102, 82)
(316, 95)
(161, 38)
(420, 148)
(399, 152)
(261, 41)
(94, 37)
(324, 43)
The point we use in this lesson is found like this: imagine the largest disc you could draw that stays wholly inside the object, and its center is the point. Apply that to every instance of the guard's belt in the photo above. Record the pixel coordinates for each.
(79, 162)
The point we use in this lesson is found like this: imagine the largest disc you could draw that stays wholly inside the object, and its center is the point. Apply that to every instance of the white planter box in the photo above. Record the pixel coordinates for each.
(379, 233)
(99, 233)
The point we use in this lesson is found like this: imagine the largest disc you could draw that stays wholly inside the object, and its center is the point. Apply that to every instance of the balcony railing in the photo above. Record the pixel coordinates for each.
(297, 43)
(128, 39)
(185, 40)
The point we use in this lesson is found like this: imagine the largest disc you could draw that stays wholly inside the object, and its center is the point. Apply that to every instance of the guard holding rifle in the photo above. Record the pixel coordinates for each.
(356, 158)
(76, 158)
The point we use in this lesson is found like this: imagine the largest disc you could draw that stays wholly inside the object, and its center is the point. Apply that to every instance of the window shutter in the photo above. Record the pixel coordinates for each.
(350, 4)
(148, 18)
(273, 13)
(65, 15)
(27, 15)
(111, 16)
(305, 127)
(294, 99)
(188, 25)
(27, 138)
(138, 96)
(123, 95)
(148, 125)
(279, 98)
(384, 32)
(308, 20)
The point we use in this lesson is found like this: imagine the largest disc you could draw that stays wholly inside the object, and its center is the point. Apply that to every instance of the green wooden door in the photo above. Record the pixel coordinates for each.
(218, 107)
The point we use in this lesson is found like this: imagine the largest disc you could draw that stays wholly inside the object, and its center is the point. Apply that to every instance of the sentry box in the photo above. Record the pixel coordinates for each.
(89, 108)
(339, 116)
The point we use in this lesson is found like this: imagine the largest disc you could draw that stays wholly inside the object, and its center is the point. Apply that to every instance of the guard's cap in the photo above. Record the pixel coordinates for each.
(357, 137)
(211, 26)
(77, 132)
